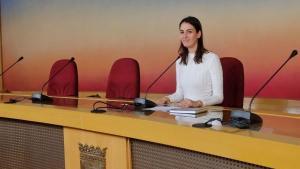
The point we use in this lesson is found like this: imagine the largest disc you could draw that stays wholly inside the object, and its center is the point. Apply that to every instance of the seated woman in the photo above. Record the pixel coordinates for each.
(199, 76)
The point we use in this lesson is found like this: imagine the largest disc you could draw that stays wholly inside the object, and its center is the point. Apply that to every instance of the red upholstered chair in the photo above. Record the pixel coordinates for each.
(65, 83)
(233, 82)
(124, 79)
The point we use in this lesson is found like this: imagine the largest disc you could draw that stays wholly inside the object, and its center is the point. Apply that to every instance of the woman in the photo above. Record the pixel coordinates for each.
(199, 75)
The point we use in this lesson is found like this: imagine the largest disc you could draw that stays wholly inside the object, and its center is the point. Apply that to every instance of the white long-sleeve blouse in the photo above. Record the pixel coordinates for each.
(203, 81)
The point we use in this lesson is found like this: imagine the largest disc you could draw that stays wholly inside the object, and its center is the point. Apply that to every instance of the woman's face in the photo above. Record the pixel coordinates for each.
(189, 37)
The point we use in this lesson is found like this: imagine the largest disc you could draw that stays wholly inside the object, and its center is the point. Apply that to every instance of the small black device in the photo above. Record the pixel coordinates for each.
(201, 125)
(207, 123)
(98, 111)
(11, 101)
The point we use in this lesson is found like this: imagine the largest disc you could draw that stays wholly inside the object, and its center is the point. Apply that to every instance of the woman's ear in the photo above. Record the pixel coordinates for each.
(199, 34)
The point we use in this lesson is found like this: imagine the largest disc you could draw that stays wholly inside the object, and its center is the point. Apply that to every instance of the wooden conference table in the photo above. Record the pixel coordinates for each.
(51, 136)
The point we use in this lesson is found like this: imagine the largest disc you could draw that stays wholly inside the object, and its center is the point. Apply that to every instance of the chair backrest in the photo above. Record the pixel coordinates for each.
(65, 83)
(233, 82)
(124, 79)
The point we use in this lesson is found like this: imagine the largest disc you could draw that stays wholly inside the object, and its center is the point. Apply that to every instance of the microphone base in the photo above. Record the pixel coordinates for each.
(245, 119)
(40, 98)
(140, 103)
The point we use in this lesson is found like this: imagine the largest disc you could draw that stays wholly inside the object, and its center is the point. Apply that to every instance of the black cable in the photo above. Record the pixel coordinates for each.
(15, 100)
(97, 110)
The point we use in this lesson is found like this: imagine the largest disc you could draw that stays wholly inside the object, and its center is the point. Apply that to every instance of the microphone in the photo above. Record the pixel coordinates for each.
(243, 119)
(21, 58)
(40, 97)
(293, 54)
(144, 102)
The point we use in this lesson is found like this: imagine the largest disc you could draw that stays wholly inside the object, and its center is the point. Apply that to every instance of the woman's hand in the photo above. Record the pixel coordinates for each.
(162, 101)
(190, 103)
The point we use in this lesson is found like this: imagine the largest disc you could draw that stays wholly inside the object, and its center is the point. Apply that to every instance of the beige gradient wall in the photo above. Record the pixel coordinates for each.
(97, 32)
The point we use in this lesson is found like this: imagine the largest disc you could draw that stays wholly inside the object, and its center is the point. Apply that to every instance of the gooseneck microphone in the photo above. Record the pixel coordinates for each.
(144, 102)
(39, 97)
(21, 58)
(12, 100)
(242, 118)
(56, 73)
(293, 54)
